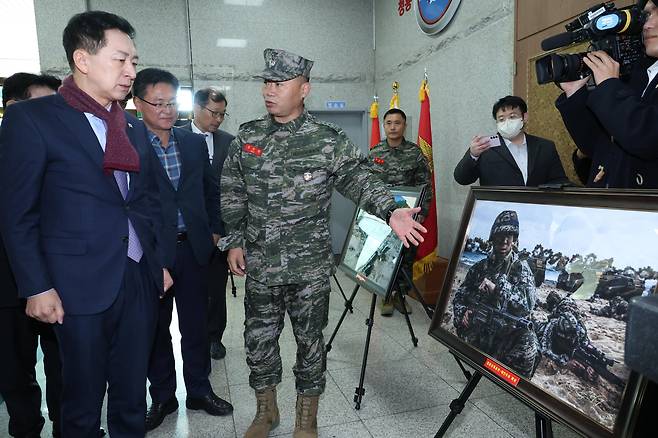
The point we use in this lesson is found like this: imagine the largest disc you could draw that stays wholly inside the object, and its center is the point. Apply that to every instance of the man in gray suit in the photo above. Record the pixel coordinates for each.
(209, 113)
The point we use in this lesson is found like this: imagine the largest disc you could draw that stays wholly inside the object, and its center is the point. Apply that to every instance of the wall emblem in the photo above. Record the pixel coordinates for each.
(434, 15)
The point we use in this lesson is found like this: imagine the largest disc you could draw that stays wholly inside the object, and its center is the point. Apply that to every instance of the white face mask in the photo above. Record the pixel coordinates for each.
(510, 128)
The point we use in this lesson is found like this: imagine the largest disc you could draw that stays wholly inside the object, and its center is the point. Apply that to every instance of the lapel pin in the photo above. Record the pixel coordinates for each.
(130, 125)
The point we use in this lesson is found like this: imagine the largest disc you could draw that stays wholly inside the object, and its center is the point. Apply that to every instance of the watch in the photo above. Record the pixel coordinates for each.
(389, 212)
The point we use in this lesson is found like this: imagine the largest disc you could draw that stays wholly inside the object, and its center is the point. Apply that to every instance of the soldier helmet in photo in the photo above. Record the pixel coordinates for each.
(552, 300)
(507, 222)
(281, 65)
(567, 327)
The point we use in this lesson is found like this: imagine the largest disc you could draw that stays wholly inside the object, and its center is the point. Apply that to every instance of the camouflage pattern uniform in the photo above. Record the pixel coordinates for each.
(563, 332)
(276, 188)
(515, 294)
(404, 165)
(564, 340)
(617, 308)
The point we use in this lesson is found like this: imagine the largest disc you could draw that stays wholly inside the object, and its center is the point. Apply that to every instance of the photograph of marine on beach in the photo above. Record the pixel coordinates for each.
(372, 250)
(544, 289)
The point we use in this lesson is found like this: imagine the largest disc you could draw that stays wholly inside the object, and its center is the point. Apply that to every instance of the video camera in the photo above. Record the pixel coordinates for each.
(618, 32)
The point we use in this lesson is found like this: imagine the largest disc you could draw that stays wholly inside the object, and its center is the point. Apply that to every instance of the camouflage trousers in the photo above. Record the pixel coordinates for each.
(308, 308)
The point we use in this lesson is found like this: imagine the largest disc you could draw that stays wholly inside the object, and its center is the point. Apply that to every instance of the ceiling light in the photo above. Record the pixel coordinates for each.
(231, 42)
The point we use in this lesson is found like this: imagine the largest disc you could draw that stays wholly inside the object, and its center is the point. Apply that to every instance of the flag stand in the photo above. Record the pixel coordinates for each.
(375, 133)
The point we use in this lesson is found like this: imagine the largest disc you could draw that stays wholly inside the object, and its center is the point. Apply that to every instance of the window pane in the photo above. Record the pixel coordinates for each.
(20, 51)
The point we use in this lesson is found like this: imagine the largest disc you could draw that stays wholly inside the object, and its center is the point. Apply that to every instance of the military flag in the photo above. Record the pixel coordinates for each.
(375, 134)
(426, 255)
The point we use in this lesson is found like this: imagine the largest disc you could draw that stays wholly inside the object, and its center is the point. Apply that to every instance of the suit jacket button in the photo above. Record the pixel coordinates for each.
(125, 239)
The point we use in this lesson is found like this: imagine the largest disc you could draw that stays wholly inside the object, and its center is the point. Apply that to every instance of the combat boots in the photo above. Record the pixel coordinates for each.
(267, 414)
(306, 421)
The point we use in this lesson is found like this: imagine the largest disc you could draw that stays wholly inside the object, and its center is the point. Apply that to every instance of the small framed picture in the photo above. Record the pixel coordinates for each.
(371, 253)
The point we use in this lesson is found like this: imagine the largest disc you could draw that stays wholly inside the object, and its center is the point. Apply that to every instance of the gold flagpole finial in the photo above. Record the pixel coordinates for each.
(396, 86)
(426, 74)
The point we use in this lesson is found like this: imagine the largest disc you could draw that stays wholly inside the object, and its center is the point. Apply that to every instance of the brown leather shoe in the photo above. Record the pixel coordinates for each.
(267, 414)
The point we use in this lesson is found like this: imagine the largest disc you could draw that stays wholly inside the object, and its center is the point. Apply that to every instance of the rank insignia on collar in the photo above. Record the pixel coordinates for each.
(379, 160)
(308, 176)
(251, 149)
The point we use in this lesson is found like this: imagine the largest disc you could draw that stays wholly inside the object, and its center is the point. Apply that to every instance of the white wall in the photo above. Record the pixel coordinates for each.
(17, 18)
(469, 66)
(336, 34)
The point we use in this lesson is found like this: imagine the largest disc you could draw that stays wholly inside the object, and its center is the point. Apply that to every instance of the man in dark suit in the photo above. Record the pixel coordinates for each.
(209, 113)
(616, 123)
(189, 193)
(80, 220)
(512, 158)
(20, 334)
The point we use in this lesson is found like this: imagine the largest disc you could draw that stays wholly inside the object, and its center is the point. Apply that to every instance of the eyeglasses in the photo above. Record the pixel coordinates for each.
(216, 114)
(161, 106)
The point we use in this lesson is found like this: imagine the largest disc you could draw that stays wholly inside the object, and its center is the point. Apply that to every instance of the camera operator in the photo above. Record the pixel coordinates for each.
(616, 123)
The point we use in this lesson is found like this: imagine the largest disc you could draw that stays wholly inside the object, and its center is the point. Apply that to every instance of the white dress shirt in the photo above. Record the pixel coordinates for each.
(652, 71)
(520, 154)
(209, 139)
(100, 129)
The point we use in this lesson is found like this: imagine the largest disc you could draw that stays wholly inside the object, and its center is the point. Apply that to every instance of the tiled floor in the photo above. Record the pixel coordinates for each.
(408, 389)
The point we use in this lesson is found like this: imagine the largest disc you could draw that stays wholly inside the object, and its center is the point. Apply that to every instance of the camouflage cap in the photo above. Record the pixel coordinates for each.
(507, 222)
(281, 65)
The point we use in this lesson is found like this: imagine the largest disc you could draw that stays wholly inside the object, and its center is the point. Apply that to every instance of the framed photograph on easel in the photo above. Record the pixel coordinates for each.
(371, 253)
(536, 294)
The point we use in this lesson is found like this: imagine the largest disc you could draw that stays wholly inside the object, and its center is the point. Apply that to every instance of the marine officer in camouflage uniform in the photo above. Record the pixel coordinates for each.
(617, 308)
(563, 332)
(276, 190)
(399, 162)
(492, 306)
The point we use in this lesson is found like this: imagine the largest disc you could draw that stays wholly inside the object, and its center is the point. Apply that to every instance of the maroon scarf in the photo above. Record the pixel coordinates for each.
(120, 154)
